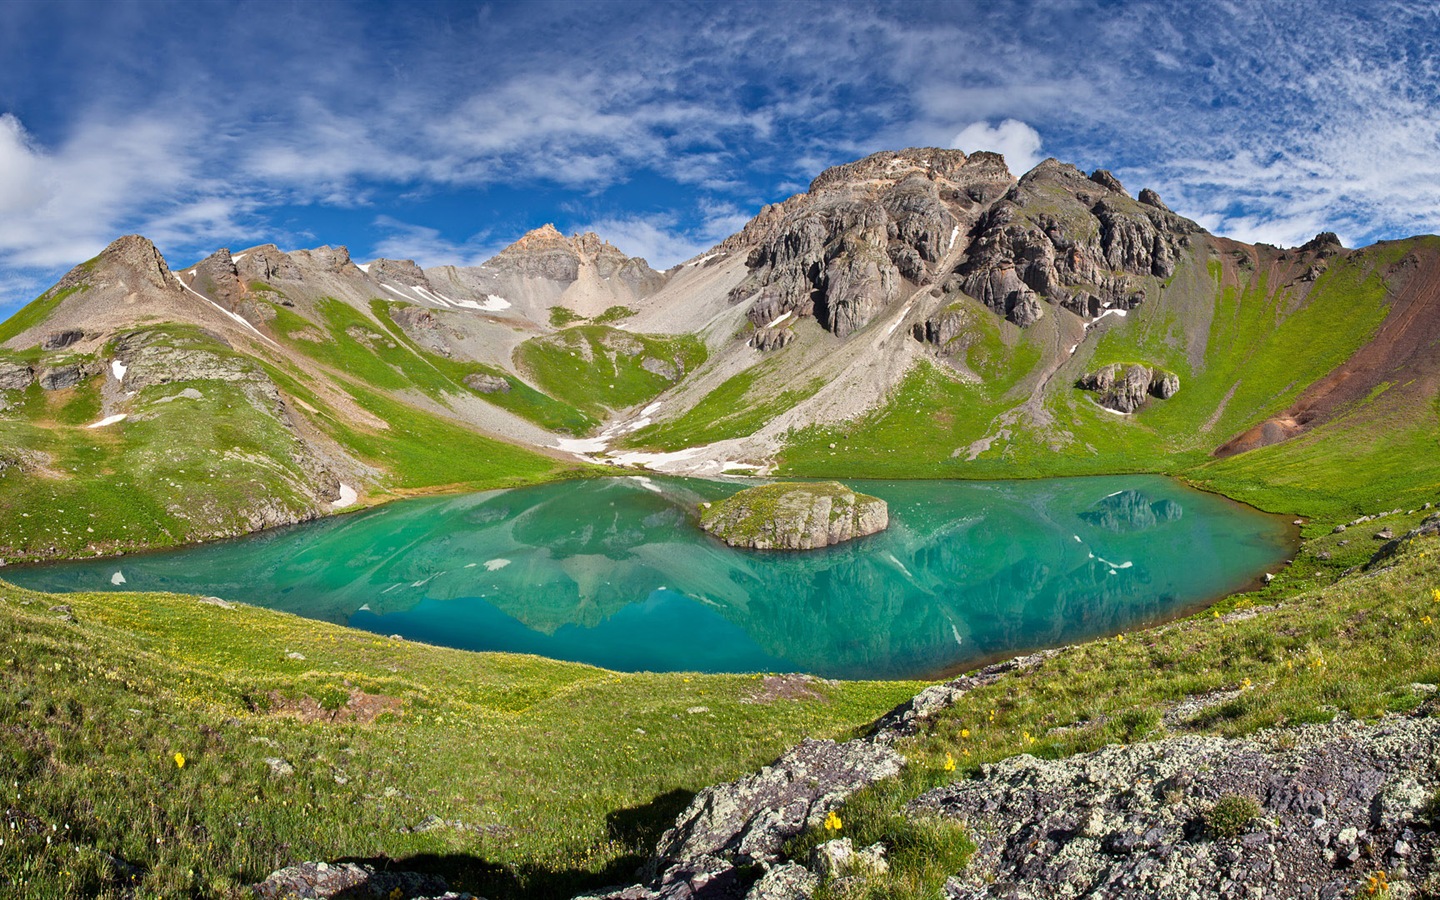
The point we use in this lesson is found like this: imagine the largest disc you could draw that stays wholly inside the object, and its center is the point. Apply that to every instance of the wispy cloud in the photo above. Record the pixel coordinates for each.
(1266, 121)
(428, 247)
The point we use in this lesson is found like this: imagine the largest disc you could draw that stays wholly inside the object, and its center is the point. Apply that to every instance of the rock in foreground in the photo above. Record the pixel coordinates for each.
(795, 516)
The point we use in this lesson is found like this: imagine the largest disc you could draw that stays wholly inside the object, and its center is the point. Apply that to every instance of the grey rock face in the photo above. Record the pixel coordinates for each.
(217, 278)
(405, 271)
(268, 264)
(1337, 801)
(59, 340)
(749, 820)
(1124, 388)
(487, 384)
(842, 252)
(59, 378)
(350, 880)
(795, 516)
(1150, 198)
(766, 339)
(1060, 233)
(15, 376)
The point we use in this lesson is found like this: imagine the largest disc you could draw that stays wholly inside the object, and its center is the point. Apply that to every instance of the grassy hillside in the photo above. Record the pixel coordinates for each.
(307, 741)
(205, 456)
(597, 368)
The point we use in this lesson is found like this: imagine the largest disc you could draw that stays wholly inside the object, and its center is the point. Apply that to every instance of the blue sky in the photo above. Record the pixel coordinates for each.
(443, 131)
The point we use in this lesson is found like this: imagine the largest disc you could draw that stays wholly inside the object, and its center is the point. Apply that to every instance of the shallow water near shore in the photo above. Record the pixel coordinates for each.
(616, 572)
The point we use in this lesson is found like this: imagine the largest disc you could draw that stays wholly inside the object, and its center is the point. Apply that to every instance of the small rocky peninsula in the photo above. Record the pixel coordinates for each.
(794, 516)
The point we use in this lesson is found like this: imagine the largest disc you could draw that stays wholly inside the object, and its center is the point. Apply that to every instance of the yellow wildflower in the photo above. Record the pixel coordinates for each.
(832, 821)
(179, 760)
(965, 733)
(1245, 683)
(1435, 595)
(949, 763)
(1426, 620)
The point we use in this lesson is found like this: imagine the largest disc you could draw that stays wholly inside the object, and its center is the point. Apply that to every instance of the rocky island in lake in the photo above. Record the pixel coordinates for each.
(795, 516)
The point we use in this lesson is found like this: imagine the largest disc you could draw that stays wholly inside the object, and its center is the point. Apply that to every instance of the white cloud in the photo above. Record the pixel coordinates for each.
(428, 247)
(1016, 141)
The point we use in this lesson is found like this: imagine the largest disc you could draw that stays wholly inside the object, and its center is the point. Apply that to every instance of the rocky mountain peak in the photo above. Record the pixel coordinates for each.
(546, 236)
(267, 263)
(1103, 178)
(1322, 242)
(327, 258)
(405, 271)
(131, 255)
(890, 166)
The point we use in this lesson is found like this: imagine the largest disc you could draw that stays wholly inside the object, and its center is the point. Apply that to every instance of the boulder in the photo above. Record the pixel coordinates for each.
(58, 378)
(766, 339)
(749, 820)
(15, 376)
(795, 516)
(1124, 387)
(487, 384)
(351, 881)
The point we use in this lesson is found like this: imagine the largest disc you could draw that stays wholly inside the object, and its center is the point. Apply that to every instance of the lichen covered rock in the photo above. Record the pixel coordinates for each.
(795, 516)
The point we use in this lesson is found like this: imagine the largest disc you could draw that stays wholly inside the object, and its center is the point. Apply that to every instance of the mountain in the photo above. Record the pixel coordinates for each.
(914, 313)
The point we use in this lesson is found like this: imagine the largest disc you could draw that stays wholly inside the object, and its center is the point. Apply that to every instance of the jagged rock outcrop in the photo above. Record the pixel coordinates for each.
(766, 339)
(59, 340)
(547, 254)
(325, 258)
(1124, 388)
(61, 376)
(1073, 240)
(794, 516)
(266, 263)
(405, 271)
(217, 278)
(842, 252)
(15, 376)
(1334, 803)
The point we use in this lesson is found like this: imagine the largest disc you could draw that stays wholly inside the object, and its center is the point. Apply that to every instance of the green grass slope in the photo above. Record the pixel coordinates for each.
(596, 368)
(204, 457)
(561, 775)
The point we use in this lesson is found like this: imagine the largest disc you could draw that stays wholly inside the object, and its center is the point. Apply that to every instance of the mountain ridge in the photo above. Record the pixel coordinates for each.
(915, 313)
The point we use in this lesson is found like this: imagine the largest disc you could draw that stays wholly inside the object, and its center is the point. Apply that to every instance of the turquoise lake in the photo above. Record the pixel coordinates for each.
(616, 572)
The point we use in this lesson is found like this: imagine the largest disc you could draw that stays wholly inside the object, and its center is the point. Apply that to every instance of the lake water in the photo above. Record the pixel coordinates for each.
(617, 573)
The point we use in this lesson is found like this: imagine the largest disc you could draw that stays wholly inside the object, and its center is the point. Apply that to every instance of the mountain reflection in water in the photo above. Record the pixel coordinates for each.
(615, 572)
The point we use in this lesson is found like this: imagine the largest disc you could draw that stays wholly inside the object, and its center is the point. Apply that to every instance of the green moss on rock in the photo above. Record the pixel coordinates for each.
(794, 516)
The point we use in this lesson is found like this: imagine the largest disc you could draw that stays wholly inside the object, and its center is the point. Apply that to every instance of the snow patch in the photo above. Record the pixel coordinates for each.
(364, 267)
(954, 233)
(119, 369)
(108, 420)
(495, 565)
(778, 319)
(118, 577)
(898, 320)
(347, 497)
(239, 319)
